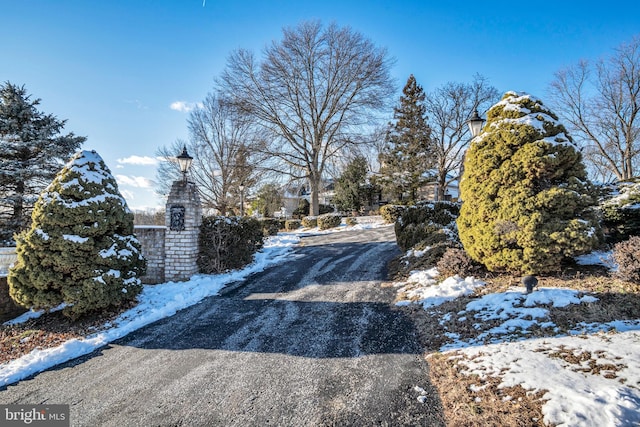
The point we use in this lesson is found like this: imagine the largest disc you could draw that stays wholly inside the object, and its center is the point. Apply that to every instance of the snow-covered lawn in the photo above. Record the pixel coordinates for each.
(590, 375)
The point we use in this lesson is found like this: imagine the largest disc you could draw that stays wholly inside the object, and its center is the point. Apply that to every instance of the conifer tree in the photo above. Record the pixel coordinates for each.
(526, 198)
(349, 192)
(32, 150)
(406, 158)
(80, 249)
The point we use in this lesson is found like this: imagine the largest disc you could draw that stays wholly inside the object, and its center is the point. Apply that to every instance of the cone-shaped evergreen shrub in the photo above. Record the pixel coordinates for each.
(80, 249)
(526, 198)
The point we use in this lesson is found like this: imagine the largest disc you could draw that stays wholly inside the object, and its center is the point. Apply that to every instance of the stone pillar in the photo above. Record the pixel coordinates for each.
(183, 218)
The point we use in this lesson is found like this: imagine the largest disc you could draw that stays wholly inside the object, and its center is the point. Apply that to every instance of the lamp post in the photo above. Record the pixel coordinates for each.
(241, 188)
(475, 124)
(184, 161)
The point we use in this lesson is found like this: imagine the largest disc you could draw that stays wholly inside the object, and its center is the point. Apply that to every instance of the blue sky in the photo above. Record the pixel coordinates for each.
(118, 70)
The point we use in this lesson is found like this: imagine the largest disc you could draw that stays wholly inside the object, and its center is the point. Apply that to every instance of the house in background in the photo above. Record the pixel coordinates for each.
(293, 193)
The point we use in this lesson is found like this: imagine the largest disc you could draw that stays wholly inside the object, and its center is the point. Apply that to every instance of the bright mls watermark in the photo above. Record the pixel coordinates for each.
(34, 415)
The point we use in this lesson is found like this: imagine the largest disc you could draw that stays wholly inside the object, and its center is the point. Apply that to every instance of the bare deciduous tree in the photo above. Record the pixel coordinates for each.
(313, 93)
(448, 109)
(220, 140)
(601, 105)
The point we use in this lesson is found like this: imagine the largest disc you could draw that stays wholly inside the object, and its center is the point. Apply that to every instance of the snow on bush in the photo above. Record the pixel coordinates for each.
(527, 201)
(80, 249)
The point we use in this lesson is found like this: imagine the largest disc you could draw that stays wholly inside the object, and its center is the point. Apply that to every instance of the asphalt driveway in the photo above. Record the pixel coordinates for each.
(313, 341)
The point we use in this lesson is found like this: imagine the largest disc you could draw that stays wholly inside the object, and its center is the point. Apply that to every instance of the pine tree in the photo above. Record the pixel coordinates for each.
(526, 198)
(406, 159)
(349, 187)
(268, 200)
(80, 249)
(31, 152)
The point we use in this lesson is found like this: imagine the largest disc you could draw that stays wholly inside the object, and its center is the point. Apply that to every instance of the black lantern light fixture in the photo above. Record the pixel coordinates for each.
(475, 124)
(184, 161)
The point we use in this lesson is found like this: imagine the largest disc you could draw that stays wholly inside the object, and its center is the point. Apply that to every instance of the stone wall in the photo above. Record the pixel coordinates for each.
(152, 240)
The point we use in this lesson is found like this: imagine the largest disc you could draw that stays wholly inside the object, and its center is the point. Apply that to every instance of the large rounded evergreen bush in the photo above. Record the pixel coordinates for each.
(80, 249)
(526, 198)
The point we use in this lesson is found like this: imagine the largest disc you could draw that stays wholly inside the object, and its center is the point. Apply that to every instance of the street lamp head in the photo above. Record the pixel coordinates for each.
(184, 161)
(475, 124)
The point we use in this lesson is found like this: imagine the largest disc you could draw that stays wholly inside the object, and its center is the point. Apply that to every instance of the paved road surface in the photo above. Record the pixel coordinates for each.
(313, 341)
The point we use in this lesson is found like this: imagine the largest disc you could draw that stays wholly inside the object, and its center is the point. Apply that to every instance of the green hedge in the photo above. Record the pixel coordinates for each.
(310, 221)
(228, 243)
(303, 209)
(271, 226)
(292, 224)
(326, 222)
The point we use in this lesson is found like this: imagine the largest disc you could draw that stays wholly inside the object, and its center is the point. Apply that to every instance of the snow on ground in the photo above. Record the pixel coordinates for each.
(363, 223)
(590, 380)
(157, 302)
(430, 295)
(598, 258)
(591, 374)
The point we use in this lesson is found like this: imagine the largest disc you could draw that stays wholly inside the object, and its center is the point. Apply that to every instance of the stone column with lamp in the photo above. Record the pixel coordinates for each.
(183, 218)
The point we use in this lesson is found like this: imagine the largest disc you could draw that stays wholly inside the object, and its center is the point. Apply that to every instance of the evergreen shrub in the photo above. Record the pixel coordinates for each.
(326, 222)
(80, 249)
(527, 203)
(621, 213)
(303, 209)
(391, 213)
(228, 243)
(310, 221)
(426, 224)
(627, 255)
(271, 226)
(292, 224)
